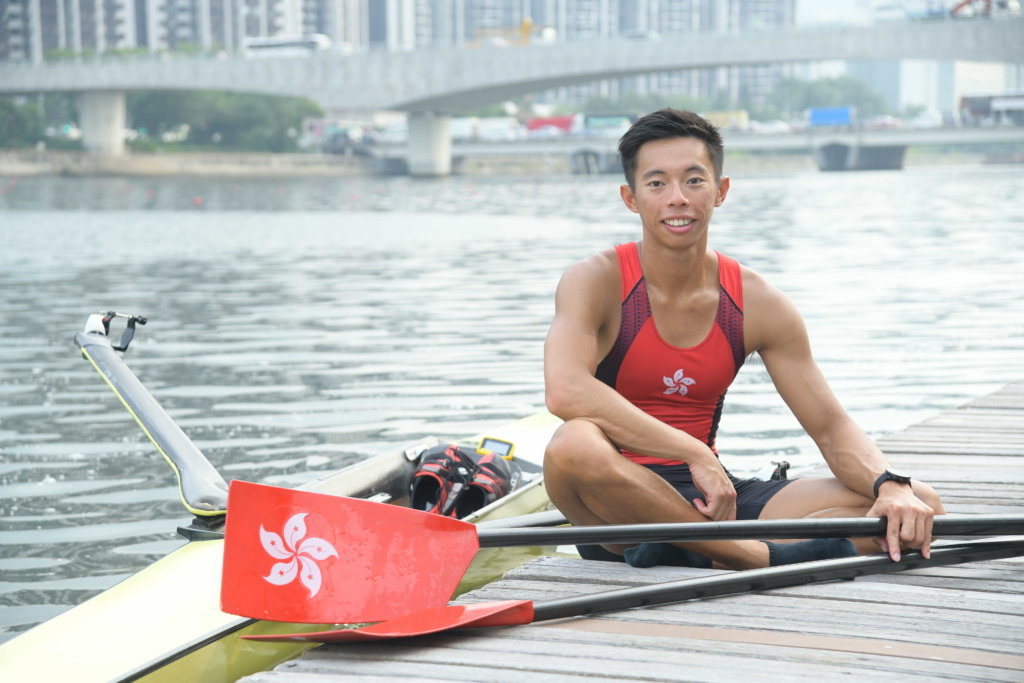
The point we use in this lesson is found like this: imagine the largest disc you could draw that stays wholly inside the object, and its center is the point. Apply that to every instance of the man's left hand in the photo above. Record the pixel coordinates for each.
(910, 520)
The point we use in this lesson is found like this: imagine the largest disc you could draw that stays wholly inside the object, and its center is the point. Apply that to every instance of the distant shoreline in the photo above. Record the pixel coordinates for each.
(24, 163)
(214, 164)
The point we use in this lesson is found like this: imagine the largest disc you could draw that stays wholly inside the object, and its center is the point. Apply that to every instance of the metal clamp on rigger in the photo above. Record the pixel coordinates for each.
(129, 330)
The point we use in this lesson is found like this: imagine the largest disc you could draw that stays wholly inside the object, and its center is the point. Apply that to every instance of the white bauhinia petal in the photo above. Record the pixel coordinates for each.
(310, 576)
(273, 544)
(678, 377)
(683, 391)
(317, 548)
(295, 530)
(688, 381)
(668, 381)
(282, 573)
(671, 390)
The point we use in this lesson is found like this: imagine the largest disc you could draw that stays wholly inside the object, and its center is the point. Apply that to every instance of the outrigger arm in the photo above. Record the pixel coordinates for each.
(203, 490)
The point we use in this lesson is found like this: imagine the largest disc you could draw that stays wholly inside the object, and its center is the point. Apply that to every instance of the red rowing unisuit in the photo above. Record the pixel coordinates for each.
(682, 387)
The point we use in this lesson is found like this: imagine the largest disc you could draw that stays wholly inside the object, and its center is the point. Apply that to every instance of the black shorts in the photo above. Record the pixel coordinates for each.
(751, 497)
(751, 494)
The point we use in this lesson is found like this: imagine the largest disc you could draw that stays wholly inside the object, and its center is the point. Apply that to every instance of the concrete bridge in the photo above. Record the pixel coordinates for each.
(833, 149)
(434, 84)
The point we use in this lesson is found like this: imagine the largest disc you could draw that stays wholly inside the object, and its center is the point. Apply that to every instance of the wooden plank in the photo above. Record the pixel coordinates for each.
(555, 653)
(986, 609)
(870, 614)
(609, 575)
(888, 648)
(1014, 492)
(944, 447)
(956, 623)
(978, 412)
(950, 434)
(1008, 402)
(999, 587)
(1005, 422)
(972, 450)
(934, 474)
(553, 584)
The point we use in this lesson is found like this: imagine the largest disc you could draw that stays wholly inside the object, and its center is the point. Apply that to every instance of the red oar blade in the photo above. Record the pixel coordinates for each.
(308, 557)
(435, 620)
(510, 613)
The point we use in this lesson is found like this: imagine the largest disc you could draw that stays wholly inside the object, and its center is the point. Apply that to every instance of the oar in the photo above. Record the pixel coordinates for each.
(372, 562)
(519, 612)
(202, 489)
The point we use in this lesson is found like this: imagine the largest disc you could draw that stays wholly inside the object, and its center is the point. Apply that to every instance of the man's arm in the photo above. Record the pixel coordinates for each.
(572, 350)
(778, 333)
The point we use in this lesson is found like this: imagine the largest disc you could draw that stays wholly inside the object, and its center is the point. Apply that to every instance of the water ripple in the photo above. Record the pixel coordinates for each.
(297, 326)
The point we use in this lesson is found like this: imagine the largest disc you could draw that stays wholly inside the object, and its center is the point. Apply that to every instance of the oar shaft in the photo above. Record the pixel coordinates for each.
(773, 577)
(754, 529)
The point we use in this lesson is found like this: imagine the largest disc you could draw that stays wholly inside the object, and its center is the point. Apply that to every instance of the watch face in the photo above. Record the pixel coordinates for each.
(897, 475)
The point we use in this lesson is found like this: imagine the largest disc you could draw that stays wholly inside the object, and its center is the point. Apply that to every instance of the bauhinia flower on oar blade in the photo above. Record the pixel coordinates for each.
(296, 551)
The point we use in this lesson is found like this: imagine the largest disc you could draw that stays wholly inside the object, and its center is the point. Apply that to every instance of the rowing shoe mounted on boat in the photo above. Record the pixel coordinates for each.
(187, 637)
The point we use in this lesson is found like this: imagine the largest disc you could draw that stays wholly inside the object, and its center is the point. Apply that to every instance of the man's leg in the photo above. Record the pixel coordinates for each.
(591, 483)
(828, 497)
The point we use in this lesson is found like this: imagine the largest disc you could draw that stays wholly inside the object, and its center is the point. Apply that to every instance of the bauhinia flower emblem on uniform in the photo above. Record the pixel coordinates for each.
(678, 382)
(299, 555)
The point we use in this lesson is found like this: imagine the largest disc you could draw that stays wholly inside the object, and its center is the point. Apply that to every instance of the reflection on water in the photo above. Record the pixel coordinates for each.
(297, 326)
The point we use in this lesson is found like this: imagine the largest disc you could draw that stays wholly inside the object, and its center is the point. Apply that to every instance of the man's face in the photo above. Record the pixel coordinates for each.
(676, 191)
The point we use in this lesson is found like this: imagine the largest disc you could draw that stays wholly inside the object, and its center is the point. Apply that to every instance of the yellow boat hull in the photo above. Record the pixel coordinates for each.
(165, 624)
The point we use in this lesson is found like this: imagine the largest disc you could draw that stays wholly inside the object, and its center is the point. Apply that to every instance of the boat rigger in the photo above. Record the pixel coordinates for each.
(165, 622)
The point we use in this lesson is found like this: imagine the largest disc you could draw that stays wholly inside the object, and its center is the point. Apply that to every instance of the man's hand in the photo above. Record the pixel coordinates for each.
(719, 503)
(910, 520)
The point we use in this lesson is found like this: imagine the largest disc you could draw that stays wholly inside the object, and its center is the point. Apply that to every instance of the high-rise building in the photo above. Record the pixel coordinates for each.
(400, 25)
(30, 29)
(933, 85)
(668, 20)
(751, 84)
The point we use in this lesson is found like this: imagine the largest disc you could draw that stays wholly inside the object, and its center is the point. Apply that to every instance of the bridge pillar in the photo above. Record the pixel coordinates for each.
(836, 156)
(430, 144)
(102, 117)
(590, 161)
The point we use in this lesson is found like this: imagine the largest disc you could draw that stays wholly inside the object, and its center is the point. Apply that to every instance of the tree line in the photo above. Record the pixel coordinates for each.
(262, 123)
(790, 99)
(164, 120)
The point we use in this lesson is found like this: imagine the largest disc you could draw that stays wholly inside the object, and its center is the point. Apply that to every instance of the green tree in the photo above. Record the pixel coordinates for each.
(21, 125)
(227, 120)
(793, 96)
(162, 111)
(59, 108)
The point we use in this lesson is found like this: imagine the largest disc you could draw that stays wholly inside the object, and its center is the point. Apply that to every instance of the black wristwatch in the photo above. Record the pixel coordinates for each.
(891, 475)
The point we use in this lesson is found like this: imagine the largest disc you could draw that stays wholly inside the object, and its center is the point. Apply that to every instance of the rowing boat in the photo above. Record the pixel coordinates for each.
(164, 623)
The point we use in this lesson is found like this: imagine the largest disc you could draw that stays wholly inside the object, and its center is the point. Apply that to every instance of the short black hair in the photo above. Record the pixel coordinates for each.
(670, 123)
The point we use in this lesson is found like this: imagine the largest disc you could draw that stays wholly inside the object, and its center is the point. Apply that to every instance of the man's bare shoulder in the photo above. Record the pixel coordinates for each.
(597, 271)
(600, 264)
(758, 293)
(588, 295)
(768, 313)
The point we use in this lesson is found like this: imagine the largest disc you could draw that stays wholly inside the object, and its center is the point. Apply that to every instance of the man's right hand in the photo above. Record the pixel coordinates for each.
(719, 503)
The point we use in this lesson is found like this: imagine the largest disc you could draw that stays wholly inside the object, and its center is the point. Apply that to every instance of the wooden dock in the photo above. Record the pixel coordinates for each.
(963, 623)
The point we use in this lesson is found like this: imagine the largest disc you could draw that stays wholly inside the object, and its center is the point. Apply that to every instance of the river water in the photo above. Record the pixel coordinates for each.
(299, 325)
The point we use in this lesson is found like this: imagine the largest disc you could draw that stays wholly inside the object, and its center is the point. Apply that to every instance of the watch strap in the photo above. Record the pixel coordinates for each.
(887, 475)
